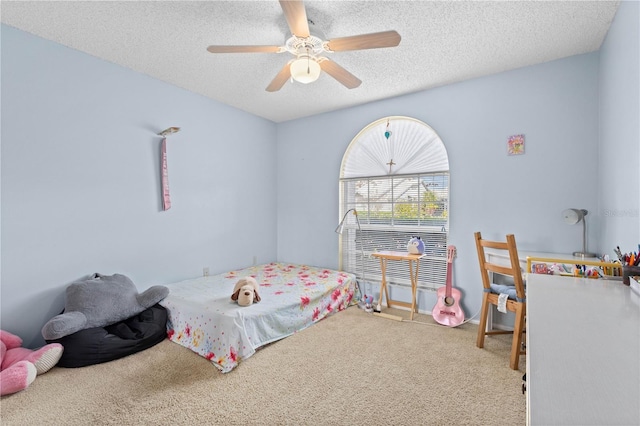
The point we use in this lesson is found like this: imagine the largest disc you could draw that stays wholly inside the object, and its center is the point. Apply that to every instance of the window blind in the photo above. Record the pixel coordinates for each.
(392, 210)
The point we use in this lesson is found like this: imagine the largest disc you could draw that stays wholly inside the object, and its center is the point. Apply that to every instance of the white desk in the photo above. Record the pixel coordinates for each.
(502, 258)
(583, 352)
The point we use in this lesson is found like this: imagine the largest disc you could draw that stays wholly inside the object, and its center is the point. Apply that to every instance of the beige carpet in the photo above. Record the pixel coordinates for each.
(350, 369)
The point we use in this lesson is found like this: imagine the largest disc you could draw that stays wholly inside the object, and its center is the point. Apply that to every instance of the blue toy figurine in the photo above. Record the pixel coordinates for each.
(415, 246)
(368, 303)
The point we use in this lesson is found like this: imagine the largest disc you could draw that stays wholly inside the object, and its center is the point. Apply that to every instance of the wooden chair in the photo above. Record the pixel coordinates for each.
(516, 301)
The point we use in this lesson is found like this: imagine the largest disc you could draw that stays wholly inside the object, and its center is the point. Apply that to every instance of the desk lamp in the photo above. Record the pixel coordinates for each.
(573, 216)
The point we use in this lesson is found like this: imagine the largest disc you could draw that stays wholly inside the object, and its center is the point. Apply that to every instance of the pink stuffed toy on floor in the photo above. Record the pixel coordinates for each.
(19, 366)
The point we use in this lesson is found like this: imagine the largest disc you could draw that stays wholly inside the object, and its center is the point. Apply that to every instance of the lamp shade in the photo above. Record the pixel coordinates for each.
(340, 228)
(573, 216)
(305, 69)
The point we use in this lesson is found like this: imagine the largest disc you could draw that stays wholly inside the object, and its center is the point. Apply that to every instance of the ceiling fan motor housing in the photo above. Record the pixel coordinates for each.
(308, 45)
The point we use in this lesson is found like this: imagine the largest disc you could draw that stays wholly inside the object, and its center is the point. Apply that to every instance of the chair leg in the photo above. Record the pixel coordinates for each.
(482, 325)
(518, 329)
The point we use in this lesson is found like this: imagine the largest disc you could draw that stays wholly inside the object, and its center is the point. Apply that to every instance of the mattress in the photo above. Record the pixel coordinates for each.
(203, 318)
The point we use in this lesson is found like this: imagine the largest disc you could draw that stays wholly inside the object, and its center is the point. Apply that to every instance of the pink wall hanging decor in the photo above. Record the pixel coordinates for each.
(166, 198)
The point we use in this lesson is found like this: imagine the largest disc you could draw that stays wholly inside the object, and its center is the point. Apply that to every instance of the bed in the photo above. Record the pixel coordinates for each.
(202, 317)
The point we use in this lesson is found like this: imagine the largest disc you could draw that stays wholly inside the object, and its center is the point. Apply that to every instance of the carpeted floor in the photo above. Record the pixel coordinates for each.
(350, 369)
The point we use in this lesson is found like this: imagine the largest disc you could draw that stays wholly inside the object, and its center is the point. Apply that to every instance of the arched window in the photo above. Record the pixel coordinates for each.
(395, 174)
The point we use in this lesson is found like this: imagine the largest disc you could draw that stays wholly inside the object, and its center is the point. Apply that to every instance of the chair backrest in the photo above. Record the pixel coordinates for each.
(507, 248)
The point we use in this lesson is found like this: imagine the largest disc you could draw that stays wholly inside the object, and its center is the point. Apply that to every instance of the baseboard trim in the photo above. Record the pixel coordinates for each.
(430, 313)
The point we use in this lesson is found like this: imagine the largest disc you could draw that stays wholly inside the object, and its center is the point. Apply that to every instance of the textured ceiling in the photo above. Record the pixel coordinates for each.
(442, 42)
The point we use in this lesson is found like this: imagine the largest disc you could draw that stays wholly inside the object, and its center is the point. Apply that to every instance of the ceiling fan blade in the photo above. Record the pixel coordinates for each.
(343, 76)
(280, 79)
(243, 49)
(296, 16)
(365, 41)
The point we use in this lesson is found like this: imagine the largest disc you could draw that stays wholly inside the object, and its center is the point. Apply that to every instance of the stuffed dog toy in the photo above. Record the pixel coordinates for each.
(245, 291)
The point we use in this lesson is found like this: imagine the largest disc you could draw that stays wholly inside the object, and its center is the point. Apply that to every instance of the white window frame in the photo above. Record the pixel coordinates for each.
(391, 230)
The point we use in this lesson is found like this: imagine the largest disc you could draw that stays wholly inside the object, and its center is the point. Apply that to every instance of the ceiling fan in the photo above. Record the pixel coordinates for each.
(308, 48)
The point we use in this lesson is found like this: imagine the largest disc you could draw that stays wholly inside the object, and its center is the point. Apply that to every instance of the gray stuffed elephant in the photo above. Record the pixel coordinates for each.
(99, 301)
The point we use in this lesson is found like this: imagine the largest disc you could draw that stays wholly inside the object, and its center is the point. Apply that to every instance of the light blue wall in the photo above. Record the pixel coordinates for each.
(81, 180)
(555, 105)
(619, 156)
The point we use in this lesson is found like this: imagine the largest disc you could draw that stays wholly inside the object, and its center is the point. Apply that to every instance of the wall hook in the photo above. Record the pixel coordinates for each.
(169, 131)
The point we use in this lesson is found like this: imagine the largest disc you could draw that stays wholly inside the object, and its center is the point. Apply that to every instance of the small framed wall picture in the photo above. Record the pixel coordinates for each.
(515, 145)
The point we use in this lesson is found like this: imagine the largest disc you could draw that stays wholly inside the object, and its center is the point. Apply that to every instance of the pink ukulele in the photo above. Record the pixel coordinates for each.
(447, 310)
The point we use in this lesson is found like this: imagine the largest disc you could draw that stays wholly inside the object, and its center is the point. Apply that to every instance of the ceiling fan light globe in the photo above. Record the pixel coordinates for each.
(305, 70)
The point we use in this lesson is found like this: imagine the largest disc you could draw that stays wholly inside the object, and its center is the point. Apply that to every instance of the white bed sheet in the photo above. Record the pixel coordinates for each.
(203, 318)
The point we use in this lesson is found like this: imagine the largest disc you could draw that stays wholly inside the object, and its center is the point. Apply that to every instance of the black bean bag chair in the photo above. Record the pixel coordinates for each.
(102, 344)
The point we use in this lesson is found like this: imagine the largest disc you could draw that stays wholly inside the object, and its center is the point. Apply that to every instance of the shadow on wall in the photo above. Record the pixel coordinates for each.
(39, 308)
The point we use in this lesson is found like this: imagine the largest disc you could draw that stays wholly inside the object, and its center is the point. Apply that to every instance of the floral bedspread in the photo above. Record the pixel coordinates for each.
(203, 318)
